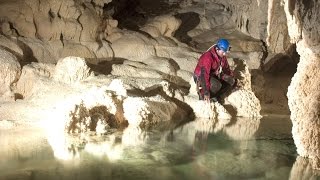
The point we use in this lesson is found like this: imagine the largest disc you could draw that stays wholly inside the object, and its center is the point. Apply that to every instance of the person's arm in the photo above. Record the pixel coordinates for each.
(226, 68)
(228, 75)
(206, 68)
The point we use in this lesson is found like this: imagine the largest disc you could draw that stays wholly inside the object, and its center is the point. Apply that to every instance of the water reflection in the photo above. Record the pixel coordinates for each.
(302, 169)
(201, 149)
(242, 128)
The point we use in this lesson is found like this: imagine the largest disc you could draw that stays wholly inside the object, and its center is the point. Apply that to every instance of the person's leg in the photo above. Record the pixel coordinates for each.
(215, 87)
(198, 86)
(225, 89)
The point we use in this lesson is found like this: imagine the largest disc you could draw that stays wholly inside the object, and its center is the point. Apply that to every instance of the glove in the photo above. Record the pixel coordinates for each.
(229, 79)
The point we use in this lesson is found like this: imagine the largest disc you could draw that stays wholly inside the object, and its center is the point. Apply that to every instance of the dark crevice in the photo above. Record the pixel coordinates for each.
(291, 6)
(247, 25)
(28, 55)
(51, 15)
(264, 55)
(14, 29)
(189, 21)
(62, 40)
(104, 67)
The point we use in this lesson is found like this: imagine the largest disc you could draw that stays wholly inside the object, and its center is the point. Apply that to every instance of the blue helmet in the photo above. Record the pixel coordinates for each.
(223, 44)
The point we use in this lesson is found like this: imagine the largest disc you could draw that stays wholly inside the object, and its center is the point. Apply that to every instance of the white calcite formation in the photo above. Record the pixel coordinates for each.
(71, 70)
(303, 92)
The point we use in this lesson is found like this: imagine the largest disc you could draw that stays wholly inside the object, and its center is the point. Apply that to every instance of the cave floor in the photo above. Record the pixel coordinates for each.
(244, 149)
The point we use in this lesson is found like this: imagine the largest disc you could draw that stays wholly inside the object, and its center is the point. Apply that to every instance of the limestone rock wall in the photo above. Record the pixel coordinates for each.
(63, 28)
(264, 20)
(51, 20)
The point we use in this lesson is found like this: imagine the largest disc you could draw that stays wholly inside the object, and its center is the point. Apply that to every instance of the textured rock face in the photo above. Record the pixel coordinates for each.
(278, 38)
(10, 71)
(51, 20)
(54, 29)
(31, 75)
(250, 16)
(303, 93)
(162, 25)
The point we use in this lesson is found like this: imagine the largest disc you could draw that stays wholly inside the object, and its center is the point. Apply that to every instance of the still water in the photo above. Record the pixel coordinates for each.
(201, 149)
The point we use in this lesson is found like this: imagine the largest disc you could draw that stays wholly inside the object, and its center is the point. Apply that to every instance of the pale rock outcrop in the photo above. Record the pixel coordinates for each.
(185, 57)
(31, 76)
(245, 103)
(76, 49)
(10, 72)
(185, 75)
(252, 58)
(242, 74)
(41, 51)
(151, 112)
(102, 50)
(204, 109)
(164, 25)
(134, 46)
(71, 70)
(165, 65)
(11, 43)
(131, 71)
(81, 106)
(90, 21)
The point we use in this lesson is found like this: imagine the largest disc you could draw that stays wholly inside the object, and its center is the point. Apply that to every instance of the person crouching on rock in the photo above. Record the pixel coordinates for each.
(212, 74)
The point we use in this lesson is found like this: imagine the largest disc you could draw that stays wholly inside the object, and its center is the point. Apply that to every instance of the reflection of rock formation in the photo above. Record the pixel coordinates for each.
(68, 147)
(21, 144)
(242, 128)
(133, 136)
(302, 169)
(199, 125)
